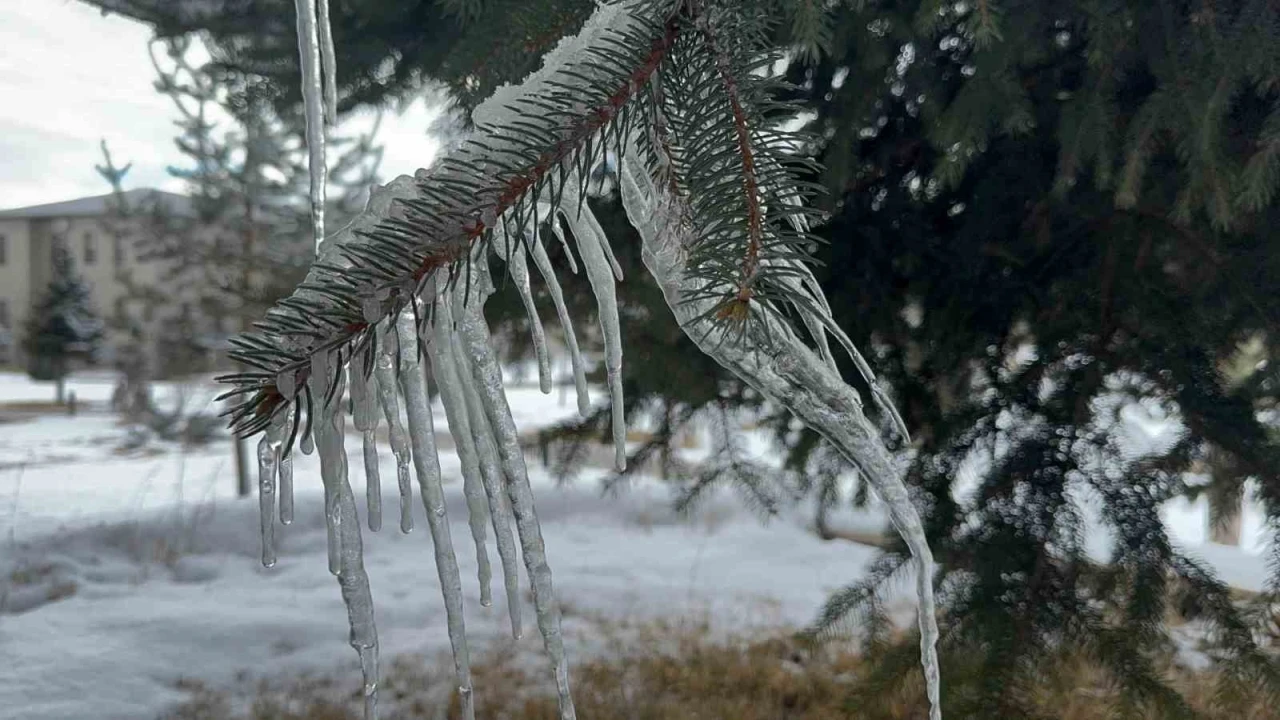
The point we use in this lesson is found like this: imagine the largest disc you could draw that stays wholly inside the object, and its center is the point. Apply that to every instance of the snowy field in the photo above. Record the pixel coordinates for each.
(136, 570)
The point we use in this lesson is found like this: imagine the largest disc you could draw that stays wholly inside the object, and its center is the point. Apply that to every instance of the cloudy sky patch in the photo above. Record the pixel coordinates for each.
(70, 77)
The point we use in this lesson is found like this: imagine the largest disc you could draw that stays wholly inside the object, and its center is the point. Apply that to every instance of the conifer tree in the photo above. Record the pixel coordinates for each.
(1037, 210)
(63, 327)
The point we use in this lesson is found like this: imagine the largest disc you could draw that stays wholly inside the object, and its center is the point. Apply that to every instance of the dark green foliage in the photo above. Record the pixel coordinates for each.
(63, 327)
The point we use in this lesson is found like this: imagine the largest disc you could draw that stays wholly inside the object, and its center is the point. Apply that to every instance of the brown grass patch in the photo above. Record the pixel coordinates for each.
(668, 671)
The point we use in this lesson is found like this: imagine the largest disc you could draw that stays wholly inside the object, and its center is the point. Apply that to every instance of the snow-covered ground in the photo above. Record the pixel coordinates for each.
(139, 569)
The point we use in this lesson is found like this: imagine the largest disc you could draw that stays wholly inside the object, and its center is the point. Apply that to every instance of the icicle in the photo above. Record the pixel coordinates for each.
(328, 62)
(439, 346)
(427, 463)
(313, 103)
(267, 495)
(512, 251)
(384, 370)
(566, 323)
(487, 376)
(343, 526)
(364, 388)
(485, 450)
(608, 253)
(590, 236)
(324, 415)
(285, 468)
(564, 242)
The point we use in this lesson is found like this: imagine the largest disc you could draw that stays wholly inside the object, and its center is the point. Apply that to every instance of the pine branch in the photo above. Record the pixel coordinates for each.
(420, 231)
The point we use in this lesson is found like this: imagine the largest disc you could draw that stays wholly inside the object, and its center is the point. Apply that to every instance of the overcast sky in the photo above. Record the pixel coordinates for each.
(70, 77)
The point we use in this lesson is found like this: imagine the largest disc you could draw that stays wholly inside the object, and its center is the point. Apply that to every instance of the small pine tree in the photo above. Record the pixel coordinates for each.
(63, 327)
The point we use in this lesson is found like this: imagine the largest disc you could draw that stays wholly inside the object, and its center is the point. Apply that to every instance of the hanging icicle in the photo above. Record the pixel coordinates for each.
(342, 524)
(564, 241)
(590, 238)
(439, 346)
(512, 251)
(473, 332)
(267, 468)
(284, 466)
(548, 273)
(427, 464)
(328, 63)
(384, 370)
(486, 447)
(313, 108)
(364, 414)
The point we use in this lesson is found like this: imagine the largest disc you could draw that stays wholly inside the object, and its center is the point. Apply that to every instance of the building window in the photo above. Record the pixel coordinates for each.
(117, 251)
(90, 250)
(4, 313)
(4, 250)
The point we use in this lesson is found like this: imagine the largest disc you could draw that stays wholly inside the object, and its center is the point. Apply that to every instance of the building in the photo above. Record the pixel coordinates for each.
(105, 253)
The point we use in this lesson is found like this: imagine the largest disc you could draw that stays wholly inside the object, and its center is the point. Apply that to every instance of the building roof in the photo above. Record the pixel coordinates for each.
(99, 205)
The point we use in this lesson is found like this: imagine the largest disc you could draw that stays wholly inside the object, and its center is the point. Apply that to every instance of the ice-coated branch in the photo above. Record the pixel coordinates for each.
(777, 364)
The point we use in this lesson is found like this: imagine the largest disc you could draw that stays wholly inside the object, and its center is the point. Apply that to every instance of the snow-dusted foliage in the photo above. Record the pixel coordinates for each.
(671, 90)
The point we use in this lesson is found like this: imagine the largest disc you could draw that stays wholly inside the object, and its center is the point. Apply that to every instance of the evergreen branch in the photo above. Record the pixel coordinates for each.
(750, 184)
(437, 218)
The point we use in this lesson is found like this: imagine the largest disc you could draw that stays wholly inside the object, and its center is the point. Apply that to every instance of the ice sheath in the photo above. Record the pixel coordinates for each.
(776, 363)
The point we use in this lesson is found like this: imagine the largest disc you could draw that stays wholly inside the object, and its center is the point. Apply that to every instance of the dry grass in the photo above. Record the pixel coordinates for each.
(664, 671)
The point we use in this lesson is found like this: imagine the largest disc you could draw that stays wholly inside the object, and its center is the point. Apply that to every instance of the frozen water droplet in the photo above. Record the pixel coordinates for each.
(287, 384)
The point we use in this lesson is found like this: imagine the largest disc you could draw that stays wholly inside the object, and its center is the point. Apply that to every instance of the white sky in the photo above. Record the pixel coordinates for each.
(70, 77)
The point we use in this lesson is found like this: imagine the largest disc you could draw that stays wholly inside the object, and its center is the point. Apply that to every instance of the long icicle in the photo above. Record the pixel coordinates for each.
(487, 374)
(512, 251)
(486, 446)
(543, 262)
(268, 464)
(439, 347)
(587, 231)
(313, 105)
(343, 527)
(328, 62)
(792, 375)
(284, 464)
(384, 368)
(364, 414)
(427, 464)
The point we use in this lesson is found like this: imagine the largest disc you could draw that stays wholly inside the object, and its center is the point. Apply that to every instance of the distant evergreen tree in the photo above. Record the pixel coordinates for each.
(242, 242)
(63, 327)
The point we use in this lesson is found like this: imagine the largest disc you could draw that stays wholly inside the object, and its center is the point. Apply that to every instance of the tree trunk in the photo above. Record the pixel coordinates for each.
(60, 390)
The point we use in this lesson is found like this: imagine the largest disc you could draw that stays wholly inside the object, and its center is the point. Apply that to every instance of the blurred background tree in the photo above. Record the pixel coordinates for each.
(64, 328)
(1042, 215)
